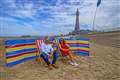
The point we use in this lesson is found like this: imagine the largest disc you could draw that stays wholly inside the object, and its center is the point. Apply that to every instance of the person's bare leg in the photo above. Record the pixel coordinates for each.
(72, 59)
(71, 56)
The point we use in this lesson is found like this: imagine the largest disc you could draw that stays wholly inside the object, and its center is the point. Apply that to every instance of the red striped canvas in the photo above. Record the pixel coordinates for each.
(38, 43)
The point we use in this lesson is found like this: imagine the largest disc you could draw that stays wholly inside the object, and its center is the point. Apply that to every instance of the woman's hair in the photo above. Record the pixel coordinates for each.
(62, 40)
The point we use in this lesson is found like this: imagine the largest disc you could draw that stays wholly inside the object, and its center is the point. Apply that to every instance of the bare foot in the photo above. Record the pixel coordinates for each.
(55, 66)
(50, 67)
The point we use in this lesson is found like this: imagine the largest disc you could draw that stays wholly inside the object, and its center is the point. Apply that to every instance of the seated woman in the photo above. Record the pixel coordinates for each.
(46, 52)
(65, 50)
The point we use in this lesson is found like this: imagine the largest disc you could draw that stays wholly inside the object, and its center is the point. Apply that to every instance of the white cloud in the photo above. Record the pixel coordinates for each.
(12, 27)
(28, 11)
(62, 14)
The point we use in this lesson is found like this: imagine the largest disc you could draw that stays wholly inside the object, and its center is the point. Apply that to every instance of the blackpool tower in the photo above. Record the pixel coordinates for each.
(77, 27)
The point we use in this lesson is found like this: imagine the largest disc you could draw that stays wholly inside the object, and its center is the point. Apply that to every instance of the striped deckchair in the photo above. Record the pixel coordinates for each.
(38, 43)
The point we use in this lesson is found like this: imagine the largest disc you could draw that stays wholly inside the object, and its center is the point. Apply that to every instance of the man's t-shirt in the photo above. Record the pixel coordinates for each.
(46, 48)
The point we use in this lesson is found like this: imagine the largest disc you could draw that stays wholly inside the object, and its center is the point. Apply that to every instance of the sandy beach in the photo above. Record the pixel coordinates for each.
(102, 64)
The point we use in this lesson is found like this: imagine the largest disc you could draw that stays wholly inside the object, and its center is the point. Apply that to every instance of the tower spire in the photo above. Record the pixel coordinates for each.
(77, 27)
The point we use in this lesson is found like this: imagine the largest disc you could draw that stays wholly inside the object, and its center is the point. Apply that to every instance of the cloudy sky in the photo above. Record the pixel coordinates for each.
(50, 17)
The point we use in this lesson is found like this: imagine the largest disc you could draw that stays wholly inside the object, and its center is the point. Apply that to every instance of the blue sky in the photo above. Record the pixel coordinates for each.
(51, 17)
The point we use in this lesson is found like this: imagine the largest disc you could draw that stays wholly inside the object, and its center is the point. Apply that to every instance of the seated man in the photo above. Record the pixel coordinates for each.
(46, 52)
(65, 50)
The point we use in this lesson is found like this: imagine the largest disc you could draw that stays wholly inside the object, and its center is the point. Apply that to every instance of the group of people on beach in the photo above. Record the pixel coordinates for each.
(46, 51)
